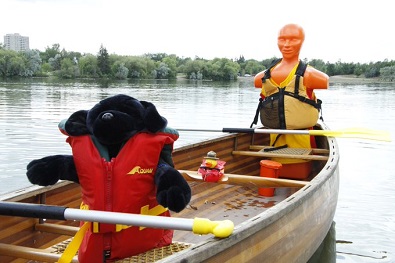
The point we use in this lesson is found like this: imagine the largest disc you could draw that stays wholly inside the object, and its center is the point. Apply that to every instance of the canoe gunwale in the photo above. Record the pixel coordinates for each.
(31, 191)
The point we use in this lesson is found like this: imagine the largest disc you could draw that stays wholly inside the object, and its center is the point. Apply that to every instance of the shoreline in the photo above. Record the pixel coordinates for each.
(352, 79)
(344, 79)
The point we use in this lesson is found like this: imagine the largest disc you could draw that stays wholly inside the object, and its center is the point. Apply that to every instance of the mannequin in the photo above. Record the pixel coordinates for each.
(282, 76)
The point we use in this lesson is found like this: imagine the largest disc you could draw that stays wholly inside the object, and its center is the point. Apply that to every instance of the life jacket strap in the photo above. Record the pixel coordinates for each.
(255, 121)
(267, 74)
(74, 245)
(107, 228)
(315, 104)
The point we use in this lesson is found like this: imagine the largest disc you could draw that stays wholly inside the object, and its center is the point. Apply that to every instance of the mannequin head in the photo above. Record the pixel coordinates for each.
(290, 40)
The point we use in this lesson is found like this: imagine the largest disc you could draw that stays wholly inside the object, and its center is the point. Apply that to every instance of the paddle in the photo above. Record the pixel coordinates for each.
(246, 180)
(361, 133)
(200, 226)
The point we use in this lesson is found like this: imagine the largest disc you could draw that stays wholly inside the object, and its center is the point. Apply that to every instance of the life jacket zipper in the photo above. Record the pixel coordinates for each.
(108, 204)
(281, 108)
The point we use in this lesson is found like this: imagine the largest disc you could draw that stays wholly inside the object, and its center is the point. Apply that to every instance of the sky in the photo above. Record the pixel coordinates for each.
(358, 31)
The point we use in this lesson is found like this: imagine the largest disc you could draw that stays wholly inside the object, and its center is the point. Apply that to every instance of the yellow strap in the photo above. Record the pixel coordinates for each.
(285, 82)
(119, 227)
(95, 227)
(157, 210)
(74, 245)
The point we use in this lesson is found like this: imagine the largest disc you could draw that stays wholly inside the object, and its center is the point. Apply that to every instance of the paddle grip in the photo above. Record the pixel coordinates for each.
(32, 210)
(238, 130)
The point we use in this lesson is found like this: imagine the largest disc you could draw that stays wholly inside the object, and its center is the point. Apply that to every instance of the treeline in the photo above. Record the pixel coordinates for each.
(64, 64)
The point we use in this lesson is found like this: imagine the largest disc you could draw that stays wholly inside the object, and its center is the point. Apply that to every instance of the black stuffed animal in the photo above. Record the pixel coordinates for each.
(122, 160)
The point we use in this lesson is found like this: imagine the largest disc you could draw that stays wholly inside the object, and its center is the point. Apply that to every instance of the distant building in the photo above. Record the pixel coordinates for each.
(16, 42)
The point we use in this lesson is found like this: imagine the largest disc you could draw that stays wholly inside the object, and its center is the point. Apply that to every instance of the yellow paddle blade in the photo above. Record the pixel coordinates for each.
(361, 133)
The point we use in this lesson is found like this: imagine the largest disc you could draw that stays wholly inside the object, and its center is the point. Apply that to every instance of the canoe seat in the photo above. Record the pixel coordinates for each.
(295, 153)
(57, 229)
(37, 254)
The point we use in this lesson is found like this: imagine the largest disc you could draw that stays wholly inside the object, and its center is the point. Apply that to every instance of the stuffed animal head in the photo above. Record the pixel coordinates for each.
(116, 119)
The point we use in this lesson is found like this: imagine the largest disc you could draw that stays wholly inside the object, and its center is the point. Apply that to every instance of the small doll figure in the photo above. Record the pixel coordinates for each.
(211, 169)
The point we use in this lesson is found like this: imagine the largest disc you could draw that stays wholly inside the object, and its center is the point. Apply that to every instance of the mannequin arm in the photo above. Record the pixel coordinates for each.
(315, 79)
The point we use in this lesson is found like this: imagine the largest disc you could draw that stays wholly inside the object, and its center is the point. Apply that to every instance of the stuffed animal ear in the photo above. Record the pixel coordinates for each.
(76, 123)
(152, 120)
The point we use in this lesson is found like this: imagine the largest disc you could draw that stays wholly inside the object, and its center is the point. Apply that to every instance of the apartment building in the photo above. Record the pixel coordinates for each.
(16, 42)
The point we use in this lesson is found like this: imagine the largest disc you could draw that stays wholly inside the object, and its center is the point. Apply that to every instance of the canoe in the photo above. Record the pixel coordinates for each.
(286, 227)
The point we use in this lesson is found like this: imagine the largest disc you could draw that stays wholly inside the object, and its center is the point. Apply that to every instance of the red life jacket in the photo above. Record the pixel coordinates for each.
(123, 184)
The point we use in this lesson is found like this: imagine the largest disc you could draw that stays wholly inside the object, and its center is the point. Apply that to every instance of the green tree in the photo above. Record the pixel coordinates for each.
(32, 62)
(181, 64)
(103, 62)
(50, 52)
(373, 70)
(17, 66)
(242, 62)
(55, 62)
(74, 56)
(359, 69)
(119, 70)
(330, 69)
(347, 68)
(136, 66)
(318, 64)
(156, 57)
(10, 63)
(162, 71)
(195, 69)
(223, 69)
(140, 67)
(267, 62)
(171, 62)
(88, 66)
(387, 73)
(253, 67)
(68, 69)
(45, 68)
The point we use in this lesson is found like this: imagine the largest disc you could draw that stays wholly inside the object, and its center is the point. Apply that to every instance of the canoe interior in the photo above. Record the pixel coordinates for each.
(209, 200)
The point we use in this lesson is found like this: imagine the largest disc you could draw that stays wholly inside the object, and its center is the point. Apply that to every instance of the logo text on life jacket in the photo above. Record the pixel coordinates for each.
(138, 170)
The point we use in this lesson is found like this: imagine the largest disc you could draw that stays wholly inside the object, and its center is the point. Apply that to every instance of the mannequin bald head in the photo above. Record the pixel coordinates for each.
(290, 40)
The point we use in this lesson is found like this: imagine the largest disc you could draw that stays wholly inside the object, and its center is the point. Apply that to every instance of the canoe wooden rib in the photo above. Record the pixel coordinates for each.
(287, 227)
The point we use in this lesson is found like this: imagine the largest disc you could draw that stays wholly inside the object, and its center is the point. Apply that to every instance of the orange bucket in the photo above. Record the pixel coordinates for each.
(269, 169)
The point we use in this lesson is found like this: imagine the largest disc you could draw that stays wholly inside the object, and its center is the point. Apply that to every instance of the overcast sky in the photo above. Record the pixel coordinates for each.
(346, 30)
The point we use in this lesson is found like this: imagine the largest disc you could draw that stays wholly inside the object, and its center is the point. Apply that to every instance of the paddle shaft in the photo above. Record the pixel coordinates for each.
(201, 226)
(264, 181)
(64, 213)
(250, 130)
(344, 133)
(247, 180)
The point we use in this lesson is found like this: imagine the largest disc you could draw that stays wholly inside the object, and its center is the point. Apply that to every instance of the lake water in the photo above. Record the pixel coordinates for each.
(365, 218)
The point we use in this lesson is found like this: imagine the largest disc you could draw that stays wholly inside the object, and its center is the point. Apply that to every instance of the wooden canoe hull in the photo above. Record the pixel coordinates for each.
(289, 232)
(288, 227)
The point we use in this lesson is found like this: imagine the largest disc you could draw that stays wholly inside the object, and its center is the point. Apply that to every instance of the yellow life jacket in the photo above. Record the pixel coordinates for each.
(288, 105)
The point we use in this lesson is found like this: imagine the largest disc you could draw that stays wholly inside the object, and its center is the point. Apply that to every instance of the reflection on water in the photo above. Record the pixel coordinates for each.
(365, 216)
(365, 219)
(326, 252)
